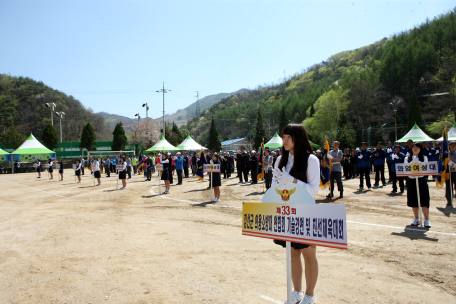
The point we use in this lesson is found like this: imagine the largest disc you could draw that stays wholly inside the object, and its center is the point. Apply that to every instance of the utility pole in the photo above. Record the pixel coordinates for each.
(52, 106)
(197, 110)
(163, 91)
(60, 114)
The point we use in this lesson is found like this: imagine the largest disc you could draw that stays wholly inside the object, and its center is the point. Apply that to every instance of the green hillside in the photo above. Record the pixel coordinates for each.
(348, 96)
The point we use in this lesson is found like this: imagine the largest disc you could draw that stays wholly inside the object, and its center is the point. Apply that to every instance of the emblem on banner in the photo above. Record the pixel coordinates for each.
(285, 194)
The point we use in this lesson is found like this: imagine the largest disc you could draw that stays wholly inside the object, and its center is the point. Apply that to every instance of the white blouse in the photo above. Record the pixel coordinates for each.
(414, 160)
(78, 167)
(96, 166)
(313, 172)
(124, 166)
(50, 164)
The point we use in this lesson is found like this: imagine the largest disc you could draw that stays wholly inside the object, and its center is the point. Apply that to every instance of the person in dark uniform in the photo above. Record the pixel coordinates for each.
(397, 157)
(242, 158)
(253, 161)
(165, 173)
(216, 179)
(389, 150)
(231, 164)
(77, 170)
(353, 164)
(16, 166)
(346, 164)
(149, 165)
(267, 165)
(38, 168)
(186, 165)
(51, 169)
(223, 165)
(379, 156)
(364, 156)
(107, 165)
(171, 167)
(61, 169)
(82, 161)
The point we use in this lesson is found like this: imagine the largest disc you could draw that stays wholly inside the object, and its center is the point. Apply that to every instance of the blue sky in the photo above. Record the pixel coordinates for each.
(113, 55)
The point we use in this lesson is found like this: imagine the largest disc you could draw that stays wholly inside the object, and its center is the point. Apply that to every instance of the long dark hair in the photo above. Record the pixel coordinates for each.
(420, 155)
(302, 150)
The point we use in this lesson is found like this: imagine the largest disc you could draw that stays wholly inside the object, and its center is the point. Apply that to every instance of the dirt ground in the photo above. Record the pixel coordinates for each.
(62, 242)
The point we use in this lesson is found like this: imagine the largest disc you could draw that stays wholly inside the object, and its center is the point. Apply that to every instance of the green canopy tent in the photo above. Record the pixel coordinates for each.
(190, 144)
(415, 134)
(161, 145)
(276, 142)
(451, 134)
(32, 150)
(4, 156)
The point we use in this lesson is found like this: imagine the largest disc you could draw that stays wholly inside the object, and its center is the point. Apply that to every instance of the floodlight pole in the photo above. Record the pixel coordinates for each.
(60, 114)
(52, 106)
(163, 91)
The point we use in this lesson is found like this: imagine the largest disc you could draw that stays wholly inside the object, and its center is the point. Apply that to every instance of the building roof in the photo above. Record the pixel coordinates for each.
(231, 141)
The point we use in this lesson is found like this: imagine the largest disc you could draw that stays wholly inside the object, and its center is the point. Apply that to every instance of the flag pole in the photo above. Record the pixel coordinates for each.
(212, 181)
(289, 282)
(262, 160)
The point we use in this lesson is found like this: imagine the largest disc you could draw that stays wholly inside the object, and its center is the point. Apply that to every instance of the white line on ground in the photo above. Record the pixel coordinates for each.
(35, 188)
(271, 299)
(370, 224)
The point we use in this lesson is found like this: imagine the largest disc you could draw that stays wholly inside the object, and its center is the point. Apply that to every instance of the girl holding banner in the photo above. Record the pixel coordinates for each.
(165, 173)
(412, 196)
(216, 179)
(61, 169)
(298, 165)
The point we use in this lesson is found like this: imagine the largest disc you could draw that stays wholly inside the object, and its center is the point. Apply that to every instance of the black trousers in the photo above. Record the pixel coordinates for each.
(336, 175)
(129, 171)
(448, 188)
(82, 170)
(254, 175)
(268, 178)
(185, 171)
(242, 170)
(354, 170)
(179, 177)
(390, 177)
(394, 178)
(170, 175)
(380, 169)
(149, 173)
(347, 171)
(224, 171)
(364, 172)
(108, 172)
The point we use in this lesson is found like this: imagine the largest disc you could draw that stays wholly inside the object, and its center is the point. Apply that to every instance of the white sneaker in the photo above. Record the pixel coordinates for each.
(427, 224)
(308, 300)
(361, 188)
(370, 188)
(416, 222)
(296, 297)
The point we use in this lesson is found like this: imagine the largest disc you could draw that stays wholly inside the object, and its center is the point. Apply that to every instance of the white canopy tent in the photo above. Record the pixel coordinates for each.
(190, 144)
(415, 134)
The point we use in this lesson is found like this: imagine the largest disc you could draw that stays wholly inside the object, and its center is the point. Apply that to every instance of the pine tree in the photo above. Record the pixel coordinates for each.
(312, 110)
(119, 140)
(88, 138)
(50, 138)
(259, 131)
(283, 120)
(415, 116)
(214, 141)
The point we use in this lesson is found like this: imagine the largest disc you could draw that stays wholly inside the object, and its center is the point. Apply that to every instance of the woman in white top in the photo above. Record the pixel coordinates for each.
(51, 169)
(38, 168)
(412, 197)
(123, 173)
(77, 170)
(96, 170)
(298, 165)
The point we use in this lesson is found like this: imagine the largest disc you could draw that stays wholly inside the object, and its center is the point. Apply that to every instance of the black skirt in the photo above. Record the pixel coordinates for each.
(78, 172)
(38, 169)
(293, 245)
(123, 174)
(216, 180)
(165, 175)
(51, 169)
(61, 169)
(97, 174)
(412, 197)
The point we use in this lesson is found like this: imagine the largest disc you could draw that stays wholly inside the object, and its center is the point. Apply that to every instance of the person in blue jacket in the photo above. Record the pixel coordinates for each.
(389, 150)
(408, 149)
(397, 158)
(379, 164)
(364, 157)
(179, 162)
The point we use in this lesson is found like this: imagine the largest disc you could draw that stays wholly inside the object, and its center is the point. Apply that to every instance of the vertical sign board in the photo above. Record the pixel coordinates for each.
(289, 213)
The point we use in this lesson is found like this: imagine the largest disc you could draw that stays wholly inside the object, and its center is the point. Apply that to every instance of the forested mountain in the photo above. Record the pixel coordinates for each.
(181, 116)
(112, 120)
(352, 95)
(22, 105)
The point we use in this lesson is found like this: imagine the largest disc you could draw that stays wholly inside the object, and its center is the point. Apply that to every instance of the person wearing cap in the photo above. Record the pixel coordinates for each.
(186, 164)
(253, 160)
(335, 156)
(354, 163)
(379, 164)
(408, 149)
(179, 161)
(242, 158)
(452, 166)
(397, 157)
(149, 165)
(389, 150)
(364, 156)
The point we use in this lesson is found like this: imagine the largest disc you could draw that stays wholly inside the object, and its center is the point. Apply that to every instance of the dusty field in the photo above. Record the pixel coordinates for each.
(62, 242)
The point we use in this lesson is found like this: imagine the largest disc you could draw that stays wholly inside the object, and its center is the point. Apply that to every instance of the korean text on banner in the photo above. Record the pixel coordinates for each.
(417, 169)
(211, 168)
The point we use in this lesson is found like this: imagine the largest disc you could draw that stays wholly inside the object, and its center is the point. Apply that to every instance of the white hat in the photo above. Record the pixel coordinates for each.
(178, 153)
(169, 153)
(318, 150)
(357, 149)
(253, 151)
(158, 154)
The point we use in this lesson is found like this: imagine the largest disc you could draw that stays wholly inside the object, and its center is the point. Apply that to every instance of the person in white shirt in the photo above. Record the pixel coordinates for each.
(412, 197)
(38, 168)
(123, 173)
(77, 170)
(96, 170)
(297, 164)
(51, 169)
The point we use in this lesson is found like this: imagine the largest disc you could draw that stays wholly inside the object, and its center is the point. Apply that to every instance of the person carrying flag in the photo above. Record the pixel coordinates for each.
(260, 174)
(253, 160)
(200, 162)
(325, 167)
(444, 162)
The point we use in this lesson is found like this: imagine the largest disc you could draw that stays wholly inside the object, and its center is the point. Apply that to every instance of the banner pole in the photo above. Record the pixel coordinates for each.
(117, 177)
(212, 181)
(159, 181)
(419, 202)
(262, 167)
(289, 283)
